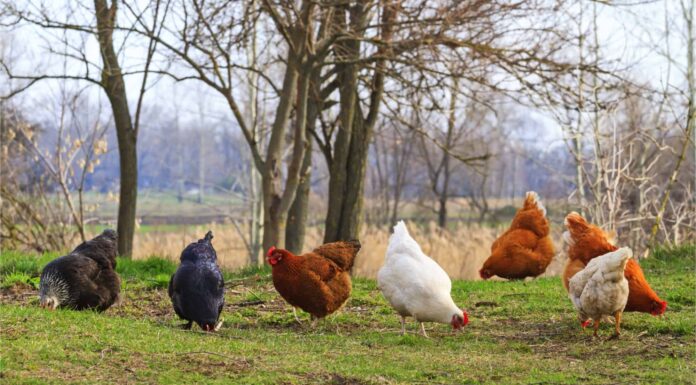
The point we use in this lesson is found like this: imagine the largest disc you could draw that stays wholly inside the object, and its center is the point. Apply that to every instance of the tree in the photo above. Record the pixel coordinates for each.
(112, 81)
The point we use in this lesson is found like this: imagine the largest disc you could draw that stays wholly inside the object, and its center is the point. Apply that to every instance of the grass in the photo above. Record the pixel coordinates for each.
(520, 332)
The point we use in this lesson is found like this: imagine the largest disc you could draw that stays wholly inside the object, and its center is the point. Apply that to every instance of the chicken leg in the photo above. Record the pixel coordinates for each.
(294, 313)
(315, 320)
(403, 325)
(617, 317)
(422, 329)
(596, 327)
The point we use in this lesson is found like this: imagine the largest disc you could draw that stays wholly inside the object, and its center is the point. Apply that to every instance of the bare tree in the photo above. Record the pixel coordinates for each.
(44, 213)
(112, 81)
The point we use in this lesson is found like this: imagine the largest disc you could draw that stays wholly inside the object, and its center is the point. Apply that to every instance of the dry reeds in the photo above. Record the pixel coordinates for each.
(460, 251)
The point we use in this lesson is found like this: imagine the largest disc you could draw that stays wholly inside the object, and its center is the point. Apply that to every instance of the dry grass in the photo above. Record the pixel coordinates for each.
(460, 251)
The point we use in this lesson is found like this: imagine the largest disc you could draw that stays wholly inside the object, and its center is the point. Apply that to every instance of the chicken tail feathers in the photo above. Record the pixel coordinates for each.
(401, 240)
(532, 200)
(342, 253)
(575, 223)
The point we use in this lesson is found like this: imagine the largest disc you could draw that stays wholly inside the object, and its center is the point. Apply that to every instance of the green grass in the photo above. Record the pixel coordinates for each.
(520, 332)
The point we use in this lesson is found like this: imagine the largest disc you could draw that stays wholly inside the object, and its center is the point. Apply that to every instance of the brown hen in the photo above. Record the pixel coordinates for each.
(587, 241)
(317, 282)
(525, 249)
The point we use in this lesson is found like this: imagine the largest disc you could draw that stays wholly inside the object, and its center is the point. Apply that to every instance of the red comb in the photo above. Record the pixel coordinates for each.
(663, 307)
(270, 251)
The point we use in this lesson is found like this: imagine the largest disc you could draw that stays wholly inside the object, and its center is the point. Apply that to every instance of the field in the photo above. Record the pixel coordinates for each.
(520, 332)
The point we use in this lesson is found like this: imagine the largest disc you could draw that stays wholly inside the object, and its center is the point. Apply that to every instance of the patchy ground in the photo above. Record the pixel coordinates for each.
(520, 332)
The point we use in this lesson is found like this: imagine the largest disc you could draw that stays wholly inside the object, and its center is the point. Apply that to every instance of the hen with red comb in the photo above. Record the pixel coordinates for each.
(317, 282)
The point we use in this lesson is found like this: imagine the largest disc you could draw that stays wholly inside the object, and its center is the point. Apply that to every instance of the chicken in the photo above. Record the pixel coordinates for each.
(415, 285)
(197, 289)
(85, 278)
(525, 249)
(601, 289)
(317, 282)
(585, 242)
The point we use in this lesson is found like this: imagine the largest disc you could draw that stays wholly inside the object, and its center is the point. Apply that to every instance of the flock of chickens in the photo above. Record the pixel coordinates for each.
(602, 280)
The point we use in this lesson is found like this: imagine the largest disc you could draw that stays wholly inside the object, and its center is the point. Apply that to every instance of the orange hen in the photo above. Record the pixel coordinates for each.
(585, 242)
(317, 282)
(525, 249)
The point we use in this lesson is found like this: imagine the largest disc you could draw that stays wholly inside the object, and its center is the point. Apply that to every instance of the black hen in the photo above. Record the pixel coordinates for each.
(197, 289)
(85, 278)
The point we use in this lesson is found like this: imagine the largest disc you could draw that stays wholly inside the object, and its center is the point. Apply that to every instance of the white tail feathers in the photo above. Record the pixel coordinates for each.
(623, 254)
(613, 261)
(534, 197)
(401, 241)
(400, 229)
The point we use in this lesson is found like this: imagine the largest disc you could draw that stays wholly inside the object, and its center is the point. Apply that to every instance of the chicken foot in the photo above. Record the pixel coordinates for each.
(422, 330)
(596, 327)
(294, 313)
(617, 316)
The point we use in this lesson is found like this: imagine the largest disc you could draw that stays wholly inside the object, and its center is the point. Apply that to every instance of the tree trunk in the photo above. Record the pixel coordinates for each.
(277, 200)
(112, 82)
(297, 217)
(338, 178)
(256, 199)
(347, 171)
(442, 211)
(355, 166)
(444, 193)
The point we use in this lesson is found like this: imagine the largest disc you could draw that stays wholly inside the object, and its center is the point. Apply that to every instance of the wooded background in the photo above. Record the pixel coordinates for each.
(283, 115)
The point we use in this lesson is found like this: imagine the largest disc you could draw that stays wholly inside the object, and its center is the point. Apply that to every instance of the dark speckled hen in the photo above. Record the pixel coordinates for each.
(197, 289)
(85, 278)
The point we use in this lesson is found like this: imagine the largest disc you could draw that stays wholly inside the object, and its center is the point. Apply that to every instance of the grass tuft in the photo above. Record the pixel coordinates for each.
(152, 268)
(18, 278)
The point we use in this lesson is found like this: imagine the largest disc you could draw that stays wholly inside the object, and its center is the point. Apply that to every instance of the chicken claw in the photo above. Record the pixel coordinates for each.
(422, 330)
(294, 313)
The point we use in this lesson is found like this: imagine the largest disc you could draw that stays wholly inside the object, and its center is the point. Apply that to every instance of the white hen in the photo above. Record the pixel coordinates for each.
(415, 285)
(601, 289)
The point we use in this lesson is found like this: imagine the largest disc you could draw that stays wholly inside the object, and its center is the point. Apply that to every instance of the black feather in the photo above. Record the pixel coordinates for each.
(85, 278)
(197, 289)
